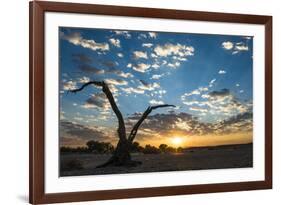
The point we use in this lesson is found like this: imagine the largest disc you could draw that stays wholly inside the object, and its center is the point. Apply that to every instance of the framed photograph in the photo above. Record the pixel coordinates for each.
(138, 102)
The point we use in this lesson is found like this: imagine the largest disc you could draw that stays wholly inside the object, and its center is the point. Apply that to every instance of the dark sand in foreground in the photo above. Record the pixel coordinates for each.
(220, 157)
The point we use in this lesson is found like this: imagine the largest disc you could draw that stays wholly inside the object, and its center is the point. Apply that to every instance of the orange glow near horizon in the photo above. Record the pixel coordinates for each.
(180, 140)
(177, 141)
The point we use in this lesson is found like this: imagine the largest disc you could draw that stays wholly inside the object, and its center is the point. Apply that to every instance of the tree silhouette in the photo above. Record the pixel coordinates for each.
(121, 155)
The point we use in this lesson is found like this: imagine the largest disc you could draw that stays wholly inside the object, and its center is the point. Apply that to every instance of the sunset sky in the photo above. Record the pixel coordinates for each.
(207, 77)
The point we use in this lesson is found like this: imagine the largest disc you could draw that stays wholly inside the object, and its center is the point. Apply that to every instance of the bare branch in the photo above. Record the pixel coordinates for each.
(121, 125)
(97, 83)
(134, 131)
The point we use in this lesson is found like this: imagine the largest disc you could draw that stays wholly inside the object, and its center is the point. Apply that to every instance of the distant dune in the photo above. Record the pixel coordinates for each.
(197, 158)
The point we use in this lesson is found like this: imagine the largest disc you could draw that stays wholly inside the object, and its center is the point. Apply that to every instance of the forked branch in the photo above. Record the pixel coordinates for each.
(134, 131)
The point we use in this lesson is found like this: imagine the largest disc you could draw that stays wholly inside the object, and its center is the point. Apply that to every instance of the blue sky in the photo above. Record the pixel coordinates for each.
(207, 77)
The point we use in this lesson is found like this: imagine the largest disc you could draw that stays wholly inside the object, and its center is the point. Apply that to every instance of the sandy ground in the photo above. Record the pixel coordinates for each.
(231, 156)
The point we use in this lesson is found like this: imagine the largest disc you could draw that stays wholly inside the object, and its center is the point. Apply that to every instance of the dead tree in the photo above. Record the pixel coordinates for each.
(121, 155)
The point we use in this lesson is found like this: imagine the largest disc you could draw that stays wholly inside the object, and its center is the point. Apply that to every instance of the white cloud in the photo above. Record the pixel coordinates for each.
(156, 77)
(141, 67)
(115, 42)
(203, 89)
(120, 55)
(211, 84)
(174, 49)
(241, 47)
(153, 55)
(69, 85)
(174, 65)
(142, 35)
(222, 72)
(140, 54)
(155, 66)
(152, 34)
(161, 92)
(133, 90)
(235, 47)
(149, 86)
(155, 102)
(179, 58)
(76, 39)
(84, 79)
(148, 45)
(227, 45)
(129, 65)
(126, 34)
(194, 92)
(116, 82)
(124, 75)
(237, 85)
(205, 96)
(198, 109)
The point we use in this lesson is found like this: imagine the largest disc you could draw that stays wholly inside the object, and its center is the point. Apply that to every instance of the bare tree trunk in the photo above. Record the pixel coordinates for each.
(121, 155)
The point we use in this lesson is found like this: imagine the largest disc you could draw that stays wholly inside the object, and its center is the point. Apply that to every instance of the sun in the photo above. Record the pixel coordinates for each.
(176, 141)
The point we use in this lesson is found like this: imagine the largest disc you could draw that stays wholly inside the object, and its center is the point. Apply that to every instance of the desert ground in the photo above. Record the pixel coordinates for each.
(219, 157)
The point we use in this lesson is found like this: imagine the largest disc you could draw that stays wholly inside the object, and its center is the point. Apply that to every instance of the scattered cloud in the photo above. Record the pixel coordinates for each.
(141, 67)
(148, 45)
(174, 65)
(174, 49)
(140, 54)
(73, 134)
(120, 55)
(155, 102)
(152, 34)
(97, 100)
(119, 73)
(161, 124)
(125, 75)
(156, 77)
(227, 45)
(148, 86)
(84, 79)
(218, 102)
(155, 66)
(198, 109)
(179, 58)
(76, 39)
(69, 85)
(116, 82)
(153, 55)
(115, 42)
(211, 83)
(222, 72)
(133, 90)
(235, 47)
(142, 36)
(126, 34)
(220, 93)
(241, 47)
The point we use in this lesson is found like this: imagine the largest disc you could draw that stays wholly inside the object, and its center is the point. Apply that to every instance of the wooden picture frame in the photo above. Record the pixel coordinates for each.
(37, 98)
